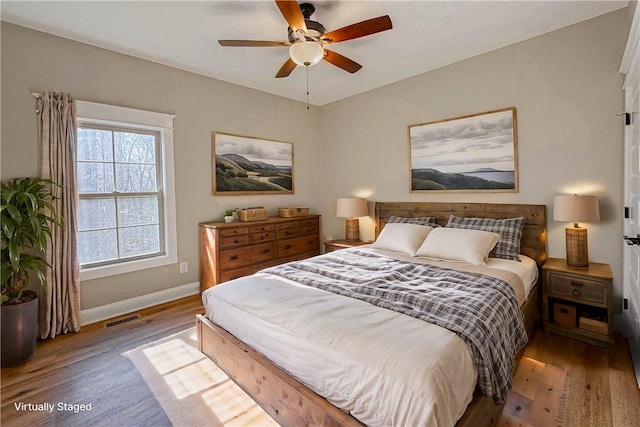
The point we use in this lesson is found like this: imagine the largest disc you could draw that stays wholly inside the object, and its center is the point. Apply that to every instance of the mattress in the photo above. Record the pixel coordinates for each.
(381, 366)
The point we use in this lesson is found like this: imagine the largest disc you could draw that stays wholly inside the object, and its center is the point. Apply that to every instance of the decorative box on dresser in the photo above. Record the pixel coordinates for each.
(576, 301)
(236, 249)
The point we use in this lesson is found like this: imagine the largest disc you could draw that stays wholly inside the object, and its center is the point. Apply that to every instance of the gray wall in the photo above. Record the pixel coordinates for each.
(34, 61)
(567, 90)
(565, 86)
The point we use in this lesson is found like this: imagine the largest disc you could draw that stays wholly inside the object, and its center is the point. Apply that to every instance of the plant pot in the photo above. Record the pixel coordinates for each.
(19, 329)
(228, 218)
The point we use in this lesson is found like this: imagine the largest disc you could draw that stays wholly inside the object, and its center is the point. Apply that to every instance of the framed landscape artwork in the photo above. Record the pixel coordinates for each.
(248, 165)
(470, 153)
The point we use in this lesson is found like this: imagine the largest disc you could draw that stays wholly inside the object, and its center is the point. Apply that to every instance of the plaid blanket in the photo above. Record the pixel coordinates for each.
(482, 310)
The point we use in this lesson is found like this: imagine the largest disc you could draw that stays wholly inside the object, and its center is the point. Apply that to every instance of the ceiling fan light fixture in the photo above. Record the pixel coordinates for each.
(306, 53)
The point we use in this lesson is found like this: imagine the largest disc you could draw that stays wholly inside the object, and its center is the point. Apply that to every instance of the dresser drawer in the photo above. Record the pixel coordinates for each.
(311, 222)
(309, 229)
(298, 245)
(289, 229)
(578, 288)
(234, 240)
(234, 231)
(263, 236)
(262, 228)
(234, 258)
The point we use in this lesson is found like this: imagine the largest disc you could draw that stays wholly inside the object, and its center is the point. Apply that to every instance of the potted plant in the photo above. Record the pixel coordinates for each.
(228, 215)
(26, 214)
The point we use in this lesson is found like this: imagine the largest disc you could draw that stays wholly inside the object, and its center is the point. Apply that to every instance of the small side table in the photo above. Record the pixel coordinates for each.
(577, 302)
(334, 245)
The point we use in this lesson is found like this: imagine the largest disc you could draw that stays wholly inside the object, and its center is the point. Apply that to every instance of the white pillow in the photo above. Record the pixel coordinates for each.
(405, 238)
(458, 244)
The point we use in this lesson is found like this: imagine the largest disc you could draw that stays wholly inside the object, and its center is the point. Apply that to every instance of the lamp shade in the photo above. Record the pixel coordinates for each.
(306, 53)
(352, 207)
(574, 208)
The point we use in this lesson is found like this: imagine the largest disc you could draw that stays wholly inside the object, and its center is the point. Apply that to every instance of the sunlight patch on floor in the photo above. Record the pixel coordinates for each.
(195, 378)
(172, 355)
(187, 372)
(233, 406)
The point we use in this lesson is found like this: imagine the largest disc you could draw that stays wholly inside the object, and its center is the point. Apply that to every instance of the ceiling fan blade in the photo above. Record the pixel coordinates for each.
(360, 29)
(291, 12)
(251, 43)
(341, 61)
(286, 69)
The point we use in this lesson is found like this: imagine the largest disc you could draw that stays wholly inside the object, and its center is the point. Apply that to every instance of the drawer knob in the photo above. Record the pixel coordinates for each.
(233, 257)
(287, 247)
(265, 251)
(576, 292)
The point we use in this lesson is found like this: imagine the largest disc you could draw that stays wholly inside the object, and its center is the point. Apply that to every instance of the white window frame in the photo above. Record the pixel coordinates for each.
(92, 113)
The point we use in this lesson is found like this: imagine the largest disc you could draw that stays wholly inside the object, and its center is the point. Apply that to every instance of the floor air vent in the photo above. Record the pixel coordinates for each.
(121, 321)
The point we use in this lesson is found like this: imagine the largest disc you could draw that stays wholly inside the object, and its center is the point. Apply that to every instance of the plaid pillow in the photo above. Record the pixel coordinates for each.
(424, 220)
(509, 229)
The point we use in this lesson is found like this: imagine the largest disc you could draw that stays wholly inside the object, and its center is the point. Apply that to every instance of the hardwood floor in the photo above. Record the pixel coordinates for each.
(88, 368)
(602, 384)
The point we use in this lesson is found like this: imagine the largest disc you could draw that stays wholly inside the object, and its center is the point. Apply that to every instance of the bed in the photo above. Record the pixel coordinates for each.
(231, 332)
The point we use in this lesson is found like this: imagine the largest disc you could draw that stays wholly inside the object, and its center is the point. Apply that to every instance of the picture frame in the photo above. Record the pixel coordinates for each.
(244, 165)
(477, 152)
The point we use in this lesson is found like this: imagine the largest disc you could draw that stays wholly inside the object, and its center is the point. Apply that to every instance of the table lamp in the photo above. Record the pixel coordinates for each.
(351, 209)
(576, 209)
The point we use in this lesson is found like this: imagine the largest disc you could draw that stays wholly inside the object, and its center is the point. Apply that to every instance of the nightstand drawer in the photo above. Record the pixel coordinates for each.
(578, 288)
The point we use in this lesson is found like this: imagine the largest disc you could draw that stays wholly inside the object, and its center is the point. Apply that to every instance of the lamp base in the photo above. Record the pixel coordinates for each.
(352, 229)
(577, 247)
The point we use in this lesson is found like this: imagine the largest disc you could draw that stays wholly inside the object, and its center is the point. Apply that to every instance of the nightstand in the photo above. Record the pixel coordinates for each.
(576, 301)
(334, 245)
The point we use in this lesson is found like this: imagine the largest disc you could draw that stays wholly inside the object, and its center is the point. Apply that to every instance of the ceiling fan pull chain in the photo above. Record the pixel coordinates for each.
(307, 67)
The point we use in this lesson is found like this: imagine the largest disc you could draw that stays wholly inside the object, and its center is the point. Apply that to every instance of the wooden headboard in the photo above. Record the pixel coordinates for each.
(534, 235)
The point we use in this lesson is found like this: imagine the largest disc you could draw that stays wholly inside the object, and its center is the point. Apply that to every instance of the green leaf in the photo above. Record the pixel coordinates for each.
(26, 215)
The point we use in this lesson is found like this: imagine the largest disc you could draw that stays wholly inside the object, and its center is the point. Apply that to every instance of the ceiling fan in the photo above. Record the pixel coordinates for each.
(307, 38)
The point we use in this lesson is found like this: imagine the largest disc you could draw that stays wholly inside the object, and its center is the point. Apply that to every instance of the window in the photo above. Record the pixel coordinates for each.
(126, 207)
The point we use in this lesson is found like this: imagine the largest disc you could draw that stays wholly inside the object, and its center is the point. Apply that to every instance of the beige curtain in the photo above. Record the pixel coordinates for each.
(60, 304)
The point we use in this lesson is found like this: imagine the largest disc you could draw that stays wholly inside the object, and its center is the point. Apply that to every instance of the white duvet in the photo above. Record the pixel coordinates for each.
(383, 367)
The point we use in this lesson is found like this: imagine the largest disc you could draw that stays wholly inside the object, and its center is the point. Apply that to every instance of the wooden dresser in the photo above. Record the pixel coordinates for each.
(232, 250)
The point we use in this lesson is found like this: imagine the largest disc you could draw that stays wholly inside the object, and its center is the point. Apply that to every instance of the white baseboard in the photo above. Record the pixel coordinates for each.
(108, 311)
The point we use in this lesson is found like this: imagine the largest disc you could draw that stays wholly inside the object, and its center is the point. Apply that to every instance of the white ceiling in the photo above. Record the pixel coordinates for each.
(426, 35)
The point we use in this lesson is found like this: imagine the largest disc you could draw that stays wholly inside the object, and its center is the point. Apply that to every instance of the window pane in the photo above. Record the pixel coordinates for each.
(140, 240)
(135, 148)
(95, 177)
(132, 178)
(97, 246)
(95, 144)
(137, 210)
(96, 213)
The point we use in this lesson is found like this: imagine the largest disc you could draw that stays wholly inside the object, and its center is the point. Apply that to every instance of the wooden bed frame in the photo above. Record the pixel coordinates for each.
(291, 403)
